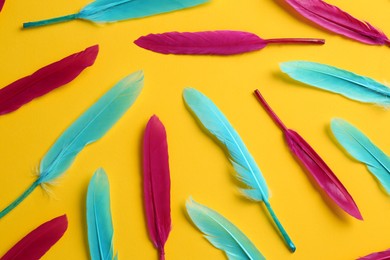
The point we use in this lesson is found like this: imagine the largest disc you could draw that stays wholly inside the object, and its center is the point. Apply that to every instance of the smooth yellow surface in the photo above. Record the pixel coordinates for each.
(198, 166)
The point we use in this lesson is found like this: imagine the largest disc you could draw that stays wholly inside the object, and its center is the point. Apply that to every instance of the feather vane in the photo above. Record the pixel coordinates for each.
(222, 233)
(384, 255)
(321, 173)
(1, 4)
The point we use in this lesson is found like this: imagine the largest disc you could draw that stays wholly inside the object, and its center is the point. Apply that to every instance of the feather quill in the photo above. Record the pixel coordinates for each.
(363, 150)
(336, 20)
(99, 220)
(35, 244)
(384, 255)
(321, 173)
(105, 11)
(88, 128)
(157, 184)
(222, 233)
(212, 42)
(247, 170)
(339, 81)
(45, 80)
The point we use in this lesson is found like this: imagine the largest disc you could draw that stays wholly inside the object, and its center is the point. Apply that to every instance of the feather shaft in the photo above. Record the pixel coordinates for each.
(321, 173)
(295, 41)
(60, 19)
(383, 255)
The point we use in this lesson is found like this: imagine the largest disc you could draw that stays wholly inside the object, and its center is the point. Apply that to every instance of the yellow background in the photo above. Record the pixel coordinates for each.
(198, 166)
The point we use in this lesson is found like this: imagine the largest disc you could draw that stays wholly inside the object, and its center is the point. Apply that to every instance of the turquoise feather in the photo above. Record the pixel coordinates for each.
(363, 150)
(222, 233)
(99, 221)
(247, 170)
(89, 127)
(339, 81)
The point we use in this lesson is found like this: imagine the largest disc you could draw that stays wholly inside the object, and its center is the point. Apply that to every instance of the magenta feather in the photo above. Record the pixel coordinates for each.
(35, 244)
(321, 173)
(1, 4)
(211, 42)
(384, 255)
(157, 183)
(333, 19)
(45, 80)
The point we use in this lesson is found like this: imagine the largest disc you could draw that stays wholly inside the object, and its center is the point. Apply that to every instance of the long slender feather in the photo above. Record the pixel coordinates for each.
(222, 233)
(157, 184)
(384, 255)
(339, 81)
(88, 128)
(363, 150)
(45, 80)
(321, 173)
(336, 20)
(103, 11)
(99, 220)
(35, 244)
(212, 42)
(247, 170)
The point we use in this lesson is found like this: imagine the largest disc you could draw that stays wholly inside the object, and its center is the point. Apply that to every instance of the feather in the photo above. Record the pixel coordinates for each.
(88, 128)
(339, 81)
(321, 173)
(222, 233)
(35, 244)
(104, 11)
(1, 4)
(384, 255)
(157, 183)
(99, 220)
(211, 42)
(363, 150)
(247, 170)
(335, 20)
(45, 80)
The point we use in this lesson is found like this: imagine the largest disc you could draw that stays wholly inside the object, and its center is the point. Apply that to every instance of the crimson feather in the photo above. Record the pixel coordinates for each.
(223, 42)
(39, 241)
(45, 80)
(321, 173)
(338, 21)
(157, 183)
(384, 255)
(1, 4)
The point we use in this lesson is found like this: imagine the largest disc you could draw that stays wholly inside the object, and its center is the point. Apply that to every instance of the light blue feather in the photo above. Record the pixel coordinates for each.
(222, 233)
(363, 150)
(244, 164)
(99, 221)
(339, 81)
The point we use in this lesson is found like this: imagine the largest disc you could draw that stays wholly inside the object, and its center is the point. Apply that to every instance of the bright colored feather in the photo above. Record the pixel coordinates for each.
(1, 4)
(384, 255)
(363, 150)
(99, 220)
(247, 170)
(339, 81)
(104, 11)
(211, 42)
(321, 173)
(88, 128)
(35, 244)
(157, 183)
(45, 80)
(336, 20)
(222, 233)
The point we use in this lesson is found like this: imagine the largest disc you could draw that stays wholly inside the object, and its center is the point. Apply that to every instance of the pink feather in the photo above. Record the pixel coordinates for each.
(45, 80)
(211, 42)
(321, 173)
(384, 255)
(333, 19)
(35, 244)
(1, 4)
(157, 183)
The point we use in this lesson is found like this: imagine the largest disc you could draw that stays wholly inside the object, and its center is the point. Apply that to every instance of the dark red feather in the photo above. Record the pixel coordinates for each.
(384, 255)
(1, 4)
(45, 80)
(157, 183)
(39, 241)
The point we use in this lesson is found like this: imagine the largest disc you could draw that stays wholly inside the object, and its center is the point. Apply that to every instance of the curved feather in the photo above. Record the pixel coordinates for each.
(384, 255)
(45, 79)
(35, 244)
(339, 81)
(247, 170)
(363, 150)
(157, 183)
(99, 222)
(222, 233)
(336, 20)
